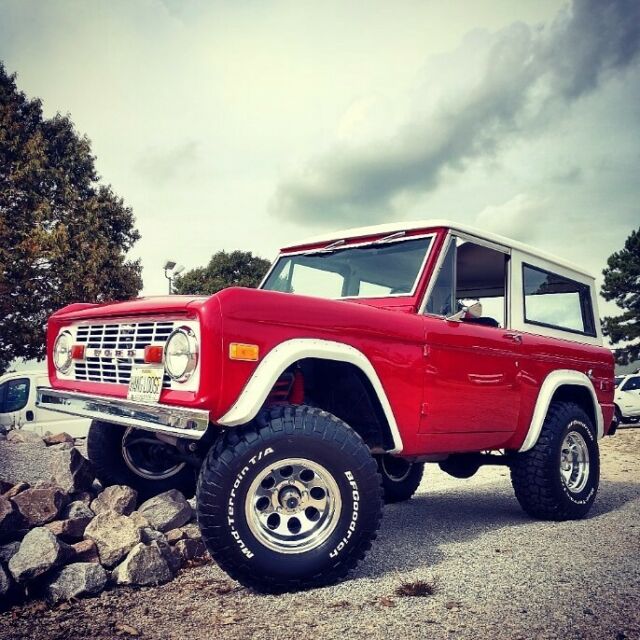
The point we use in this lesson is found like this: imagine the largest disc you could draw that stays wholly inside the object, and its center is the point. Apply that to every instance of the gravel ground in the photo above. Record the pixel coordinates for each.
(497, 574)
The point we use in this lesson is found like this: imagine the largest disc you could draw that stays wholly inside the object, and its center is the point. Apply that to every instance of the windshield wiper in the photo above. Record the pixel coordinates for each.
(337, 244)
(328, 249)
(392, 236)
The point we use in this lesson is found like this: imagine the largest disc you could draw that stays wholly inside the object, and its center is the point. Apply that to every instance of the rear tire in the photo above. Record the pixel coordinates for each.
(558, 478)
(290, 502)
(146, 467)
(400, 478)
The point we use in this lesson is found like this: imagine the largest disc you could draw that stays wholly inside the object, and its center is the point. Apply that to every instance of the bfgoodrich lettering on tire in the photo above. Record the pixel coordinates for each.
(289, 502)
(558, 478)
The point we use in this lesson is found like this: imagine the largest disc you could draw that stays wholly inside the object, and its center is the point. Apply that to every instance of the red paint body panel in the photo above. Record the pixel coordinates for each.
(452, 386)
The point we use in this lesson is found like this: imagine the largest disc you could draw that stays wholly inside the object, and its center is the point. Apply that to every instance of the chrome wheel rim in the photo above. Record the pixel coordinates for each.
(574, 462)
(293, 505)
(396, 469)
(144, 456)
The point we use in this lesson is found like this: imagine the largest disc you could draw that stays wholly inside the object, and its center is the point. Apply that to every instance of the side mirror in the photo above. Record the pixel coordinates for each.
(474, 311)
(30, 416)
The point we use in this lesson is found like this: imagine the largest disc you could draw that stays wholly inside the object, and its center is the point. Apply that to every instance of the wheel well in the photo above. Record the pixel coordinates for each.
(579, 395)
(344, 390)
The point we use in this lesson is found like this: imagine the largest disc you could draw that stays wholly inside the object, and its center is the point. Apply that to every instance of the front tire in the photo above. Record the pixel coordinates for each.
(400, 478)
(558, 478)
(290, 502)
(122, 455)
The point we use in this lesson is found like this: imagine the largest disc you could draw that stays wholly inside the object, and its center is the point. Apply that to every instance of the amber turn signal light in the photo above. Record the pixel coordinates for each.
(247, 352)
(153, 353)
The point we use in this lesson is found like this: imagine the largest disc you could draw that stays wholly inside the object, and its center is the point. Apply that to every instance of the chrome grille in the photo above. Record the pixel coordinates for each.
(127, 337)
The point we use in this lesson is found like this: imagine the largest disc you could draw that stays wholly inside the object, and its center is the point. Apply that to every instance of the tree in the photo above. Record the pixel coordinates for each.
(234, 269)
(63, 235)
(622, 284)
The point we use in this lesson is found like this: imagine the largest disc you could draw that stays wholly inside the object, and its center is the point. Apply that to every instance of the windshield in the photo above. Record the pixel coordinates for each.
(367, 271)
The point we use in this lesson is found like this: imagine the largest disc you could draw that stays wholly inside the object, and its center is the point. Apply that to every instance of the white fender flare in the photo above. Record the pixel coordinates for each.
(551, 384)
(284, 355)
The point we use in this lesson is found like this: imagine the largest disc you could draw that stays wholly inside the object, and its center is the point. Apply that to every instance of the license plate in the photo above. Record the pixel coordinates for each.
(145, 384)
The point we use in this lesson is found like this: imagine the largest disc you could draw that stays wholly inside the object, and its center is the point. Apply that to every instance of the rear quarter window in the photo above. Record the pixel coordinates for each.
(557, 302)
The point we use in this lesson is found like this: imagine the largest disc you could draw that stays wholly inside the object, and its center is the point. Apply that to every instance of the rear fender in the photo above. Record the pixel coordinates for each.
(554, 381)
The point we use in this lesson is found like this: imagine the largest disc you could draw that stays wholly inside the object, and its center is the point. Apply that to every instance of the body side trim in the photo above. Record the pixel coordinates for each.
(551, 384)
(284, 355)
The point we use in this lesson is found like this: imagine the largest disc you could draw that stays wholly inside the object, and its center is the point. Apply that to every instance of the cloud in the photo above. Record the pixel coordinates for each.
(515, 217)
(160, 166)
(512, 83)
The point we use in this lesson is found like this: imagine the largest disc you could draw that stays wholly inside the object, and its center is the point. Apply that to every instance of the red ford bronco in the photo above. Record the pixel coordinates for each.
(291, 417)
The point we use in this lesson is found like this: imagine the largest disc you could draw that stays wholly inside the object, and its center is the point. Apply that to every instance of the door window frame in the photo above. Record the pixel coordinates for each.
(453, 236)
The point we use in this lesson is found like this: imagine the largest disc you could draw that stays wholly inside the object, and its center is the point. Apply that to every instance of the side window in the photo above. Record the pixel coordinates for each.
(471, 273)
(551, 300)
(14, 396)
(632, 384)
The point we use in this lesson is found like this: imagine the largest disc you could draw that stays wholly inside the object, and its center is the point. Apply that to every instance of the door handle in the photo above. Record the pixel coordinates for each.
(514, 337)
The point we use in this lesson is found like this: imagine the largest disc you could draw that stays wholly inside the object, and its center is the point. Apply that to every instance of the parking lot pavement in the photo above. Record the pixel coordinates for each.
(496, 572)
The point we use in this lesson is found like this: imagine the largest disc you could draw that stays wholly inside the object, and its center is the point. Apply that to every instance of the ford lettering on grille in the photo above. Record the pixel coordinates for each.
(112, 349)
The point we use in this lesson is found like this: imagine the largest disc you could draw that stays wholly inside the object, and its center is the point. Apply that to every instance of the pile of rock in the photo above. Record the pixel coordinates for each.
(64, 537)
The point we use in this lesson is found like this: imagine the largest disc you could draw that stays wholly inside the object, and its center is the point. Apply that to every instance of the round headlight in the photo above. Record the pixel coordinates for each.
(62, 352)
(181, 354)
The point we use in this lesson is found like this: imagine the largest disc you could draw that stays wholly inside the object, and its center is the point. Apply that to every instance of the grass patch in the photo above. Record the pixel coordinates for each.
(416, 589)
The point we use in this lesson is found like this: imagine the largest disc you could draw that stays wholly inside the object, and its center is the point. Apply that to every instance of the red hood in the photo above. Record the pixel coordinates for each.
(138, 307)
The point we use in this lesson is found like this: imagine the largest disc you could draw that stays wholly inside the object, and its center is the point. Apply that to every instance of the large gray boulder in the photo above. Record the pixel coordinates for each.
(40, 504)
(166, 511)
(71, 470)
(75, 580)
(145, 565)
(117, 498)
(114, 535)
(39, 552)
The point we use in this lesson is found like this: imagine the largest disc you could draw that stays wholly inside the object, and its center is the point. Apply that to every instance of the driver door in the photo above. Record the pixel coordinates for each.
(471, 366)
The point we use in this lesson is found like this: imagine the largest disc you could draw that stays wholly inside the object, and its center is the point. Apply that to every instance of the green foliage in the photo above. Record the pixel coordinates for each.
(234, 269)
(63, 236)
(622, 284)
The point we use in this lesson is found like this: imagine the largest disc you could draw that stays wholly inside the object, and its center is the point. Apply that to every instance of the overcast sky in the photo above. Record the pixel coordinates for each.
(253, 124)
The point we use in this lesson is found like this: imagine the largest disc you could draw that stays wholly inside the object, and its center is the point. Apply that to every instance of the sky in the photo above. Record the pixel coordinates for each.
(254, 124)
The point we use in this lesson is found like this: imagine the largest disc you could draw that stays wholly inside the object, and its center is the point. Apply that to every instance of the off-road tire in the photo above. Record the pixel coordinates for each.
(244, 454)
(104, 450)
(399, 483)
(536, 475)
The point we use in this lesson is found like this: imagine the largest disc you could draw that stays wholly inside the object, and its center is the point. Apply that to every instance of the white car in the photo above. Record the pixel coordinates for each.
(627, 399)
(18, 408)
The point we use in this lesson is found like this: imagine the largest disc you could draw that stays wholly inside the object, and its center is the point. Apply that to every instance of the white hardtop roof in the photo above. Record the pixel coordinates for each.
(394, 227)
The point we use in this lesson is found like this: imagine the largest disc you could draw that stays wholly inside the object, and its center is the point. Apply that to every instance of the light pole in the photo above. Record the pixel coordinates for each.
(171, 270)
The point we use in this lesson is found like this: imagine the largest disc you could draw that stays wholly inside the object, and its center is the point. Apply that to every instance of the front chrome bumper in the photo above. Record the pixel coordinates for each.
(161, 418)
